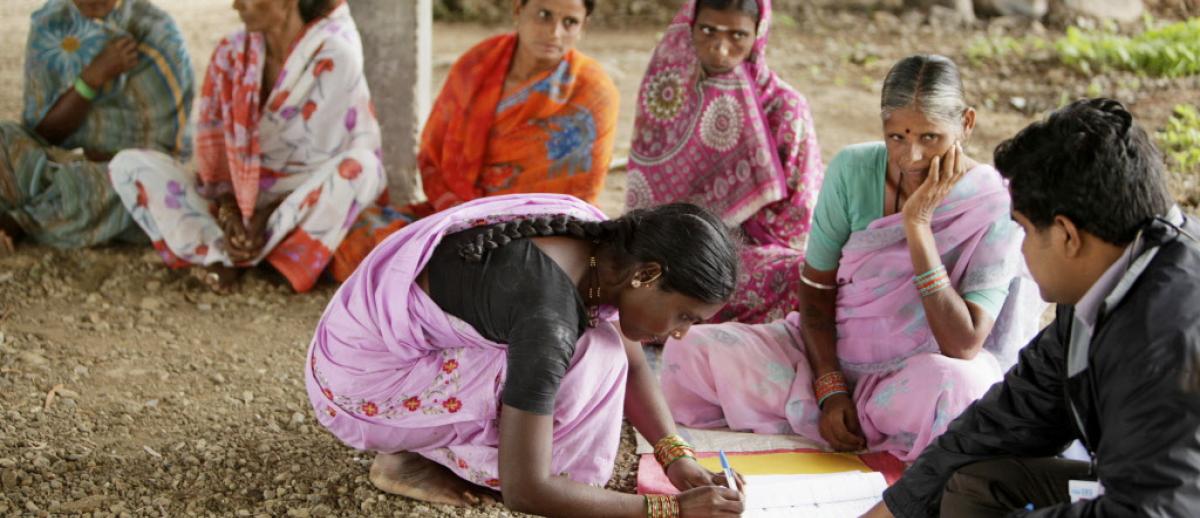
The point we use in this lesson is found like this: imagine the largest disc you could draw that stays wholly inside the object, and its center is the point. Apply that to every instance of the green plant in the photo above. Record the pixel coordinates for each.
(1181, 139)
(1169, 51)
(984, 49)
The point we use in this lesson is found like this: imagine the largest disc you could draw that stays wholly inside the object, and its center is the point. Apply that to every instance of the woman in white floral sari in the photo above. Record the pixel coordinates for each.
(287, 148)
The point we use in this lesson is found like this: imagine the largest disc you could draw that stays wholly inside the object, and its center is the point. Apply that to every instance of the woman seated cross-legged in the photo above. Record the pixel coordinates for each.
(495, 346)
(523, 112)
(914, 294)
(716, 127)
(287, 150)
(100, 76)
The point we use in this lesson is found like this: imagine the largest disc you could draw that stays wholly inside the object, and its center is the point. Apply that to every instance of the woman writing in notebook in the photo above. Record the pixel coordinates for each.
(497, 346)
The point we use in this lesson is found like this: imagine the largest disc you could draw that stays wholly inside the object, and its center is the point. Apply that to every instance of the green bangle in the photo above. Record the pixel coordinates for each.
(85, 91)
(927, 275)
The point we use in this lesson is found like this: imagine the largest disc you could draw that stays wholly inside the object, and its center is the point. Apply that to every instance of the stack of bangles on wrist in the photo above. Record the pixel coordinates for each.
(672, 448)
(662, 506)
(828, 385)
(932, 281)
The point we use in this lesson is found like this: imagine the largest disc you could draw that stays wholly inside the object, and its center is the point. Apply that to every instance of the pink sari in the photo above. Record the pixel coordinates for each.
(741, 144)
(389, 371)
(756, 377)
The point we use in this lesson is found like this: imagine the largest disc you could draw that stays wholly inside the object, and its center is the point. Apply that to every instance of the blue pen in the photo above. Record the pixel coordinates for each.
(728, 471)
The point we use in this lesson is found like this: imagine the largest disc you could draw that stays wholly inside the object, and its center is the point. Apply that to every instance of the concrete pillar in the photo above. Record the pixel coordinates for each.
(397, 38)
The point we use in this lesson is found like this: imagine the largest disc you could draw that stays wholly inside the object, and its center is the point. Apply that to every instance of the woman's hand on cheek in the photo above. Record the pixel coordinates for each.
(944, 172)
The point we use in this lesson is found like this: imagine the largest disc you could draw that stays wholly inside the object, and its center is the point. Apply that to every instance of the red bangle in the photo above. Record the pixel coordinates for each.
(672, 448)
(828, 384)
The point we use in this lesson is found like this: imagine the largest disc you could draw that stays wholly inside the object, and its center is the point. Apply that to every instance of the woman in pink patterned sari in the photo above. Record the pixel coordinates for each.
(287, 148)
(915, 295)
(716, 127)
(494, 345)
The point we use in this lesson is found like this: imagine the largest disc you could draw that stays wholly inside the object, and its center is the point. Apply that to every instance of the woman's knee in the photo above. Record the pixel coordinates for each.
(974, 375)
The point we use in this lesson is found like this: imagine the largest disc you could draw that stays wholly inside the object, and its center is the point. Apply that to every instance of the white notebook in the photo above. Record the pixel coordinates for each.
(834, 495)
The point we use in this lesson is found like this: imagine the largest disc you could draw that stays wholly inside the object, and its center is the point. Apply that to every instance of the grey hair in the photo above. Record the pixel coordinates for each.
(928, 82)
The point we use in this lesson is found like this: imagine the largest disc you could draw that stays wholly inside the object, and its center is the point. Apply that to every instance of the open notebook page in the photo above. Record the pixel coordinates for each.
(835, 495)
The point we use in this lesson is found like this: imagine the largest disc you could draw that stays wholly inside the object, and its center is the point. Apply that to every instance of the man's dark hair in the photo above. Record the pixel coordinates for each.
(1090, 162)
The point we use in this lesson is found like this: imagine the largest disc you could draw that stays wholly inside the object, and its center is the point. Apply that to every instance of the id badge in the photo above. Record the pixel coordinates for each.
(1084, 490)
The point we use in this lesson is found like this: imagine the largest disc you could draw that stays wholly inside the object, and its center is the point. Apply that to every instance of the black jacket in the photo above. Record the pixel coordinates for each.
(1138, 400)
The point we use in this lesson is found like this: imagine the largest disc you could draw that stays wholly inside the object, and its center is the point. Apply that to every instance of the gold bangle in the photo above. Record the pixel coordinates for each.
(671, 448)
(661, 506)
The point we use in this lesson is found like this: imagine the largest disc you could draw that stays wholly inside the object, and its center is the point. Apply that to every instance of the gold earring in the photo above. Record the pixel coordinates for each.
(677, 335)
(636, 284)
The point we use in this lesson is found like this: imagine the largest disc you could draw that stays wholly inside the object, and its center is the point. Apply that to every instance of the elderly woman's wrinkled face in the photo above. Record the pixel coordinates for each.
(913, 139)
(723, 39)
(548, 29)
(96, 8)
(259, 15)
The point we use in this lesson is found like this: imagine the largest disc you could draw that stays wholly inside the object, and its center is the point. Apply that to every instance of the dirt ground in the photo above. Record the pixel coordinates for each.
(127, 390)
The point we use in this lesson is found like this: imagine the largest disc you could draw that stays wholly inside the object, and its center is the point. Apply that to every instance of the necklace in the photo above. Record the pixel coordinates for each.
(593, 295)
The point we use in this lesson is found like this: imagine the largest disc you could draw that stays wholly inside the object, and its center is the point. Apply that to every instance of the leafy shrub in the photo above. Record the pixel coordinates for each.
(1169, 51)
(1181, 139)
(985, 49)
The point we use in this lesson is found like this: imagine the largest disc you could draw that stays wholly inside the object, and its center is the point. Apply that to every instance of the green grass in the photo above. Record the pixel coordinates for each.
(1168, 51)
(985, 49)
(1181, 139)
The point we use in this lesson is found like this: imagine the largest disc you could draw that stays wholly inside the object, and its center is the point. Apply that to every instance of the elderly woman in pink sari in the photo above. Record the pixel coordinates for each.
(914, 295)
(287, 150)
(716, 127)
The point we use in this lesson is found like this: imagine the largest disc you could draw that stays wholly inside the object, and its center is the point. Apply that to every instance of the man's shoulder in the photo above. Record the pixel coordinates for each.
(1159, 320)
(1170, 286)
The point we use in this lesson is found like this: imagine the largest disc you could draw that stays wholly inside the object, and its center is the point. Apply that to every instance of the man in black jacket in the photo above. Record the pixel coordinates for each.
(1118, 369)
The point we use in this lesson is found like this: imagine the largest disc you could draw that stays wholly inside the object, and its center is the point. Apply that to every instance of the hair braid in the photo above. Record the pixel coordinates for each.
(500, 234)
(697, 253)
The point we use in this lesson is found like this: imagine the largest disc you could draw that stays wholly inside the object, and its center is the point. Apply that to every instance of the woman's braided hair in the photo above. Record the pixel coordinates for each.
(698, 255)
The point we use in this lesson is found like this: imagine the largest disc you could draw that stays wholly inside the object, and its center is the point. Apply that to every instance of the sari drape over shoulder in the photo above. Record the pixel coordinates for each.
(741, 144)
(553, 134)
(389, 370)
(60, 198)
(312, 152)
(905, 390)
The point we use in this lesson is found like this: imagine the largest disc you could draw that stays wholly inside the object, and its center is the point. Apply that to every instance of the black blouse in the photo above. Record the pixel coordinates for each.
(517, 296)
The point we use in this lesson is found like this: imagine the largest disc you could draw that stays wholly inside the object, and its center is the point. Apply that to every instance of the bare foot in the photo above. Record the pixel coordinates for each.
(6, 244)
(411, 475)
(10, 232)
(219, 278)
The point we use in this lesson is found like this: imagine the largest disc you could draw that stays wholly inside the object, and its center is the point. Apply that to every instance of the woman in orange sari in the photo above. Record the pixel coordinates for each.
(522, 112)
